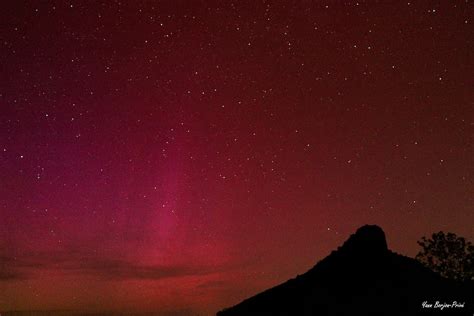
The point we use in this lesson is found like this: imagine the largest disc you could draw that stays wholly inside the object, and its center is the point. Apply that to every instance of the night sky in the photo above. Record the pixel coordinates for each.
(184, 155)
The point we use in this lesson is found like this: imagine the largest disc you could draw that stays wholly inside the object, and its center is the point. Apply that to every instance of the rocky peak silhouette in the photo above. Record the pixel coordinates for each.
(368, 240)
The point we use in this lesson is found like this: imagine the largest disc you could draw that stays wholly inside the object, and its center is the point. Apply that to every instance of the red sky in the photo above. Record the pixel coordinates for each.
(180, 156)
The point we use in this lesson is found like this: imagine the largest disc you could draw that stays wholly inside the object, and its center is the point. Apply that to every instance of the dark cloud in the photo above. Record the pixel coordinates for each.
(6, 275)
(8, 270)
(25, 266)
(214, 284)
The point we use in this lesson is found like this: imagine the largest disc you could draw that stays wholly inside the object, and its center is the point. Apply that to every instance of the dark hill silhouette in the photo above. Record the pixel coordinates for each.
(362, 277)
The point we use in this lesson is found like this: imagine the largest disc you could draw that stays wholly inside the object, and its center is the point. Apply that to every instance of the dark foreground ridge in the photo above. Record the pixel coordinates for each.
(363, 277)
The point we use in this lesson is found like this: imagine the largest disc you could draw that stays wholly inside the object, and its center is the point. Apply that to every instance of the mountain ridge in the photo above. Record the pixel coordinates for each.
(361, 277)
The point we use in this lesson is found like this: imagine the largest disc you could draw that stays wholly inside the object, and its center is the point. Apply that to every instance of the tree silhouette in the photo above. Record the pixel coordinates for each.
(449, 255)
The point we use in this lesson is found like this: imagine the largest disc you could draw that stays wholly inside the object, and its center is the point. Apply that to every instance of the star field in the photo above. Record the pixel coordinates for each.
(179, 156)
